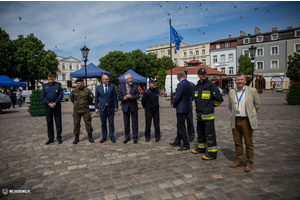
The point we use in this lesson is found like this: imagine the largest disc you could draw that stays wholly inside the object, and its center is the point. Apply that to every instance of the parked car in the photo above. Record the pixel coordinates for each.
(5, 102)
(66, 96)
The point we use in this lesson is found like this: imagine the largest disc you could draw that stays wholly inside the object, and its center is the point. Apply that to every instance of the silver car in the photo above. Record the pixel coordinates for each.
(5, 102)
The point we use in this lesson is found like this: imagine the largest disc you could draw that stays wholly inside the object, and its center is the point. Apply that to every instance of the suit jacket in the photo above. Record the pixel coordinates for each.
(109, 98)
(129, 104)
(182, 100)
(252, 105)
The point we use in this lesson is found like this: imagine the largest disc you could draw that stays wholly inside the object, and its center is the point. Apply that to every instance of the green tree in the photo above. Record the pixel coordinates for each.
(6, 55)
(160, 84)
(245, 66)
(293, 71)
(32, 61)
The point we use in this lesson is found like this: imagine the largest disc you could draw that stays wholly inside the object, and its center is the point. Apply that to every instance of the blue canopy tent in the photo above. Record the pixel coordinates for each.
(135, 76)
(7, 82)
(92, 71)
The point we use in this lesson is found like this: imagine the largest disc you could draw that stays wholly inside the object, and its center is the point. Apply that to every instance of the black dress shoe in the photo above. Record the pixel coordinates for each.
(157, 140)
(174, 144)
(113, 140)
(49, 141)
(103, 140)
(147, 139)
(126, 140)
(135, 140)
(59, 141)
(183, 149)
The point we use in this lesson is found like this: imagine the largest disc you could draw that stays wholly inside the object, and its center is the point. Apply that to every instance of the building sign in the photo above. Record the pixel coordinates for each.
(277, 81)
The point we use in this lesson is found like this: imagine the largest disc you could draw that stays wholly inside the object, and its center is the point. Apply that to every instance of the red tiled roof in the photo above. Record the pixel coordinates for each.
(224, 40)
(194, 70)
(194, 62)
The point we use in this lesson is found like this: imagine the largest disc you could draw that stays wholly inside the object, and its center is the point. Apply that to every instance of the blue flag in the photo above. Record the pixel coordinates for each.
(175, 37)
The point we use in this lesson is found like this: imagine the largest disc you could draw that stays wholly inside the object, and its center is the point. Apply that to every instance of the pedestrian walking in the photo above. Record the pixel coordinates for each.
(128, 95)
(12, 96)
(243, 103)
(207, 96)
(52, 95)
(19, 97)
(182, 104)
(81, 97)
(106, 103)
(150, 102)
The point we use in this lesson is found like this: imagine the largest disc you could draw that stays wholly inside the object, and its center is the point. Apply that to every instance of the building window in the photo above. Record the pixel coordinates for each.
(70, 66)
(184, 54)
(175, 51)
(230, 57)
(162, 53)
(227, 45)
(246, 40)
(191, 53)
(246, 51)
(274, 50)
(218, 46)
(215, 59)
(184, 64)
(197, 52)
(274, 36)
(63, 77)
(274, 64)
(297, 33)
(203, 51)
(156, 53)
(63, 66)
(260, 52)
(223, 58)
(260, 65)
(168, 52)
(259, 38)
(223, 69)
(203, 61)
(297, 47)
(77, 66)
(175, 61)
(230, 70)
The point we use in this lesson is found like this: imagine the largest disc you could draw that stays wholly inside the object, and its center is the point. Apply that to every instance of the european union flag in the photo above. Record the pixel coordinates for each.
(175, 37)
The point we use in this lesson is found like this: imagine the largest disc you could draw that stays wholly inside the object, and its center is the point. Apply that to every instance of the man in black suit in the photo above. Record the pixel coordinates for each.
(128, 95)
(182, 104)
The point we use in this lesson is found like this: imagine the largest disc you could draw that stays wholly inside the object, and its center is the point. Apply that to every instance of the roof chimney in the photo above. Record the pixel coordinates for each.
(274, 29)
(229, 36)
(242, 33)
(256, 30)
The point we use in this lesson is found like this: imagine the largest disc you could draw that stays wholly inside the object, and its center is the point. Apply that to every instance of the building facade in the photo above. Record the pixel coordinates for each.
(195, 52)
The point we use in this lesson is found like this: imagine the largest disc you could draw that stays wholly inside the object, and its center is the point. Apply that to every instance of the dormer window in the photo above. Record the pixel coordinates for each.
(259, 39)
(274, 36)
(218, 46)
(297, 33)
(227, 45)
(246, 40)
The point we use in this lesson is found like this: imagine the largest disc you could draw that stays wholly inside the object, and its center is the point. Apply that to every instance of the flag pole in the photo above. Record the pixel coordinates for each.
(171, 65)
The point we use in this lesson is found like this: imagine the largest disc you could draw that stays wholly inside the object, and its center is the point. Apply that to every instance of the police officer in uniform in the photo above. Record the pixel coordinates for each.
(151, 105)
(81, 97)
(52, 94)
(207, 96)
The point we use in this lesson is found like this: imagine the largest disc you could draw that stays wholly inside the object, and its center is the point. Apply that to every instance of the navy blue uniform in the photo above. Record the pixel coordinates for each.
(53, 94)
(151, 105)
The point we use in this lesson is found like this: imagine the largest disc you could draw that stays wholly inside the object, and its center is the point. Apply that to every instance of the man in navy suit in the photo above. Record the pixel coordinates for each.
(182, 104)
(128, 95)
(107, 104)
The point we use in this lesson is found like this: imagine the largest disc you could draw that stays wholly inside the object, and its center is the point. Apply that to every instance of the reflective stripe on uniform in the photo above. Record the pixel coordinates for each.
(201, 145)
(205, 94)
(217, 103)
(196, 94)
(208, 117)
(212, 149)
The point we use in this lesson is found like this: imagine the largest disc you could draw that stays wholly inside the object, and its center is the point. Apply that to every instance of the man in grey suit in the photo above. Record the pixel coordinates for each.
(243, 103)
(107, 104)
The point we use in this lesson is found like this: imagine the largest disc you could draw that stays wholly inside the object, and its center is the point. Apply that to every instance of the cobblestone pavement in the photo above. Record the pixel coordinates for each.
(153, 170)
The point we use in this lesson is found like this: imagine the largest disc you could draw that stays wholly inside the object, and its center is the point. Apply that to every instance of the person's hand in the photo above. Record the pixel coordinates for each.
(116, 109)
(53, 104)
(50, 105)
(125, 97)
(97, 112)
(128, 96)
(173, 106)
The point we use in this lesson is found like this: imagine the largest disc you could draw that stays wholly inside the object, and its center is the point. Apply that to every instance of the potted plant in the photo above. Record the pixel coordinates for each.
(37, 106)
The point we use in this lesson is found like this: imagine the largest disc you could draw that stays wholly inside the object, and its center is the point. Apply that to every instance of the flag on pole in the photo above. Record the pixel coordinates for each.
(175, 37)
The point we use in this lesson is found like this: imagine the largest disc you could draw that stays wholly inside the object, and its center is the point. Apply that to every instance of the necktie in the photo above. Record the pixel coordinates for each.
(128, 89)
(105, 89)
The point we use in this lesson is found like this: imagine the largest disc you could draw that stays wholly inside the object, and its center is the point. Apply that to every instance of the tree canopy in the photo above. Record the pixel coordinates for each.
(293, 71)
(245, 66)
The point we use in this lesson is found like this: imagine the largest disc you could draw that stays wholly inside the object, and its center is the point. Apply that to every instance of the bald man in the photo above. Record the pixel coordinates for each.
(106, 103)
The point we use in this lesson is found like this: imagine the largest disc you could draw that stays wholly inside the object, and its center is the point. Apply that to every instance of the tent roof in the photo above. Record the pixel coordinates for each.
(92, 72)
(135, 76)
(7, 82)
(194, 70)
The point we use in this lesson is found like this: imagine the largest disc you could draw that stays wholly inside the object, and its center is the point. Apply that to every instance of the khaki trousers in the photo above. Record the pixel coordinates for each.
(243, 129)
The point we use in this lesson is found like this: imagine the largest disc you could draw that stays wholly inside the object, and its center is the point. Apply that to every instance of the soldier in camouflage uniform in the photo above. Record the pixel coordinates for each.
(81, 97)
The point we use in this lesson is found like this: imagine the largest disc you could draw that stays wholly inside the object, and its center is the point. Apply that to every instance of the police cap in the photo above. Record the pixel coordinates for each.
(51, 74)
(201, 71)
(79, 80)
(152, 80)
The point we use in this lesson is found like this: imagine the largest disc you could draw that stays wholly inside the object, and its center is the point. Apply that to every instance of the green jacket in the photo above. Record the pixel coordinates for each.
(81, 98)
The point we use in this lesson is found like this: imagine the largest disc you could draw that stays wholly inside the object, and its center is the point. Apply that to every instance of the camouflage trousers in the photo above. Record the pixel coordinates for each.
(87, 121)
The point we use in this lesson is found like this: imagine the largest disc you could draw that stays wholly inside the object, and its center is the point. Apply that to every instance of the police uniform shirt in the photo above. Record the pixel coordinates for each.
(52, 93)
(242, 104)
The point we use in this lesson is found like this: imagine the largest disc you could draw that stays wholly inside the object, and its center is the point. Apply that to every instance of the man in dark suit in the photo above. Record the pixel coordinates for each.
(190, 124)
(107, 104)
(128, 95)
(182, 104)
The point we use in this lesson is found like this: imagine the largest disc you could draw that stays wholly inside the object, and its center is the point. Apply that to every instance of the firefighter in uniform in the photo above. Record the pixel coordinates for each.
(51, 95)
(150, 103)
(82, 98)
(207, 96)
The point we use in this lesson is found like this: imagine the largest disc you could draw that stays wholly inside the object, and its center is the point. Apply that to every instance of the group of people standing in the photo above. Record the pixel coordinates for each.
(243, 104)
(14, 95)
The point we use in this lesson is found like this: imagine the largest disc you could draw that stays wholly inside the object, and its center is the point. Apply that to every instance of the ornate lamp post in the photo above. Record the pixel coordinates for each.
(252, 51)
(85, 52)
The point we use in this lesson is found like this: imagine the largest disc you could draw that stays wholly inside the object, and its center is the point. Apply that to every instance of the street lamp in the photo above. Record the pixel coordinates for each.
(85, 52)
(252, 51)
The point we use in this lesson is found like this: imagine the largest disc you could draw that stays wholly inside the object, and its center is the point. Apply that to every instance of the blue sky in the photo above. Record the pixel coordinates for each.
(130, 25)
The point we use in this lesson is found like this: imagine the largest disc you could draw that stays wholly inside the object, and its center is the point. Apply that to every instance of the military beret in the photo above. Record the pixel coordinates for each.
(79, 80)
